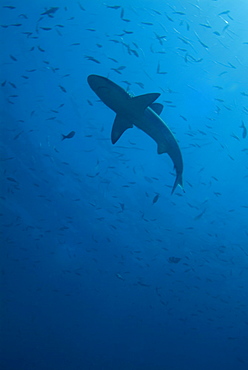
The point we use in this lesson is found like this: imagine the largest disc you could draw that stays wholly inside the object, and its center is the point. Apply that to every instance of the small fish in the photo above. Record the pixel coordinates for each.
(9, 7)
(13, 58)
(244, 130)
(51, 10)
(225, 12)
(114, 60)
(159, 71)
(122, 206)
(155, 199)
(119, 276)
(69, 136)
(12, 84)
(217, 193)
(160, 38)
(184, 118)
(23, 16)
(81, 6)
(113, 6)
(140, 84)
(16, 137)
(147, 23)
(62, 88)
(46, 28)
(128, 32)
(12, 179)
(200, 215)
(27, 33)
(169, 18)
(143, 284)
(174, 259)
(92, 59)
(235, 136)
(116, 70)
(134, 53)
(215, 178)
(42, 50)
(202, 43)
(205, 25)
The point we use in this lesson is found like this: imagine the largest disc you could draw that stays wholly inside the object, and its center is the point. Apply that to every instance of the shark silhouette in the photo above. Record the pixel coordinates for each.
(142, 112)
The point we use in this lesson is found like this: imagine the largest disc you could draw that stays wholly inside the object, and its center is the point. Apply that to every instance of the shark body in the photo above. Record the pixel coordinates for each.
(142, 112)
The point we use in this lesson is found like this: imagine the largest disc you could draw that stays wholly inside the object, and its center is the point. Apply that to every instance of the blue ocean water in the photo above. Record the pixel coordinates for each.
(101, 267)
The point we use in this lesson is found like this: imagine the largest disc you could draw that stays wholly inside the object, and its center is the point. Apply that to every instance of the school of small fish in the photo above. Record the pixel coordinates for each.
(55, 147)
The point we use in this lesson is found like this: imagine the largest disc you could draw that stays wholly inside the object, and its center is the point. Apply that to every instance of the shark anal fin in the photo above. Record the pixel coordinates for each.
(120, 125)
(157, 107)
(141, 102)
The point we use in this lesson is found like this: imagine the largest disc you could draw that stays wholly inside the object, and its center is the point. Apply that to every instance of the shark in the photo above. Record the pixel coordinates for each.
(143, 112)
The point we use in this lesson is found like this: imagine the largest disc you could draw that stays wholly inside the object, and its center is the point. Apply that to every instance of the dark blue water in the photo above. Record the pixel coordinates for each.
(97, 271)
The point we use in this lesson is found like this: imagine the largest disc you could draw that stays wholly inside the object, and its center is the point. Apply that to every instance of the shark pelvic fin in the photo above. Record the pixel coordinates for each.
(157, 108)
(120, 125)
(162, 148)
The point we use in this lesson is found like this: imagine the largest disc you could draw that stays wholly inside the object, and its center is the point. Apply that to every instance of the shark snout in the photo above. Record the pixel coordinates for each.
(91, 79)
(97, 82)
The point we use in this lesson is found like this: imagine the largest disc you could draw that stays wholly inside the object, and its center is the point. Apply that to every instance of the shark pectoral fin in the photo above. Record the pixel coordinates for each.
(157, 107)
(141, 102)
(120, 125)
(162, 148)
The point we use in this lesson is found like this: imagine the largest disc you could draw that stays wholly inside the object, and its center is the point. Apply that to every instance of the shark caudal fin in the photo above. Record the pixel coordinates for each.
(178, 181)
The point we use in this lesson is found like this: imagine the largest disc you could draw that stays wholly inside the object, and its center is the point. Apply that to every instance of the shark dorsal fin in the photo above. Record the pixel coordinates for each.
(157, 107)
(120, 125)
(143, 101)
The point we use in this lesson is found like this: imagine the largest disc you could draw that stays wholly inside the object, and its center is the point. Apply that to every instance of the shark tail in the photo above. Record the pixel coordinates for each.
(178, 181)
